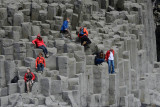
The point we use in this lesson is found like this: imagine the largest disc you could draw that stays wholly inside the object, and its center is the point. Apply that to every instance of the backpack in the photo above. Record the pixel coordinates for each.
(15, 79)
(81, 31)
(36, 78)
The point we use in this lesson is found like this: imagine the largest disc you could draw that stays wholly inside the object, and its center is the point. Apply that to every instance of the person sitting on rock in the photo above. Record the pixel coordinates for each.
(65, 30)
(40, 44)
(99, 58)
(109, 57)
(83, 35)
(28, 78)
(40, 63)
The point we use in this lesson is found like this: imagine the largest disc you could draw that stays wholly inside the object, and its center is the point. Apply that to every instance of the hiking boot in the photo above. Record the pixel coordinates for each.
(46, 56)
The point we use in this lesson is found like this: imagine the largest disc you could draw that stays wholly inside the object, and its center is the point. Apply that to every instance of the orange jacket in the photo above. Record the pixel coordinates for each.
(108, 54)
(26, 76)
(85, 33)
(40, 60)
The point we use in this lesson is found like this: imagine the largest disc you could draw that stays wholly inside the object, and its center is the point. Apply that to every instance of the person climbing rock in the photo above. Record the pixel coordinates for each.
(40, 44)
(40, 63)
(109, 57)
(99, 58)
(65, 32)
(28, 78)
(83, 35)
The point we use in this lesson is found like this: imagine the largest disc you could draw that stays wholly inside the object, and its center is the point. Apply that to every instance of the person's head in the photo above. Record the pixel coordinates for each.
(101, 54)
(39, 37)
(111, 49)
(40, 54)
(68, 19)
(81, 27)
(28, 70)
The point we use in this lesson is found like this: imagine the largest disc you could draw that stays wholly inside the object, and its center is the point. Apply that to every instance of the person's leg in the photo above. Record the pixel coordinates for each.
(68, 34)
(88, 40)
(44, 49)
(112, 62)
(38, 67)
(101, 60)
(42, 67)
(28, 88)
(82, 40)
(109, 66)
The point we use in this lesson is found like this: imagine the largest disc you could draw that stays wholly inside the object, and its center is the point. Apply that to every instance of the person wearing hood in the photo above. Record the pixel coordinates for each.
(40, 44)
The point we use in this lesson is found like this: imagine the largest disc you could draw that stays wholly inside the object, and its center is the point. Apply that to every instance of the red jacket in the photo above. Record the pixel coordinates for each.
(38, 42)
(25, 76)
(40, 60)
(85, 33)
(108, 54)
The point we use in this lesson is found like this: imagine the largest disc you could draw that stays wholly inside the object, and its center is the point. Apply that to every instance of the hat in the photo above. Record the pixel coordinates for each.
(38, 35)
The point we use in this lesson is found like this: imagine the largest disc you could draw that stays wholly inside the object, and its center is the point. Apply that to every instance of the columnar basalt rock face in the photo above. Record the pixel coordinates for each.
(70, 78)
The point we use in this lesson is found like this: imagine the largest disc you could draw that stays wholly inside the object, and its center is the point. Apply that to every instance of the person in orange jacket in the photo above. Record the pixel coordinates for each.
(109, 57)
(40, 44)
(83, 35)
(40, 62)
(28, 78)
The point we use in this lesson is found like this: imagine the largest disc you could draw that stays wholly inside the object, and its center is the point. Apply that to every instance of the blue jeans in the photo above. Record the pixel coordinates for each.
(99, 61)
(111, 63)
(44, 49)
(40, 67)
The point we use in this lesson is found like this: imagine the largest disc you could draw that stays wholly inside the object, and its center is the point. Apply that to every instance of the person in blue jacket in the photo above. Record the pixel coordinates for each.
(65, 29)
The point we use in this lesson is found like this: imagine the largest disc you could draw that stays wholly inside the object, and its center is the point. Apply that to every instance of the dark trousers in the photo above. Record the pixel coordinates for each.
(66, 33)
(98, 61)
(85, 38)
(40, 67)
(44, 49)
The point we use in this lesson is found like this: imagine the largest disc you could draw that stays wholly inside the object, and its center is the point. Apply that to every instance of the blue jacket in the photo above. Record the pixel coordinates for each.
(65, 25)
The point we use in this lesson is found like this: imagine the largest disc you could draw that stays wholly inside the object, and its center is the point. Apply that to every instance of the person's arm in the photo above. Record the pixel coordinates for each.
(44, 62)
(86, 32)
(65, 25)
(25, 79)
(33, 76)
(106, 56)
(34, 41)
(36, 61)
(43, 43)
(113, 52)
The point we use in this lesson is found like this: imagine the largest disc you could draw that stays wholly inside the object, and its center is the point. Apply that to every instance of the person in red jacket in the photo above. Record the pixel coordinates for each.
(40, 62)
(40, 44)
(109, 57)
(83, 35)
(28, 78)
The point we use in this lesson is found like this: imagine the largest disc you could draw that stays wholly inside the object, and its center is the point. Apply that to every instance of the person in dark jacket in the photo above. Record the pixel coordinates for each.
(40, 44)
(65, 32)
(40, 63)
(99, 58)
(28, 78)
(83, 36)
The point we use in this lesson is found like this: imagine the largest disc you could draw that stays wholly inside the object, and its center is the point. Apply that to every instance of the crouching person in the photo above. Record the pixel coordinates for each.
(40, 63)
(99, 58)
(83, 35)
(29, 77)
